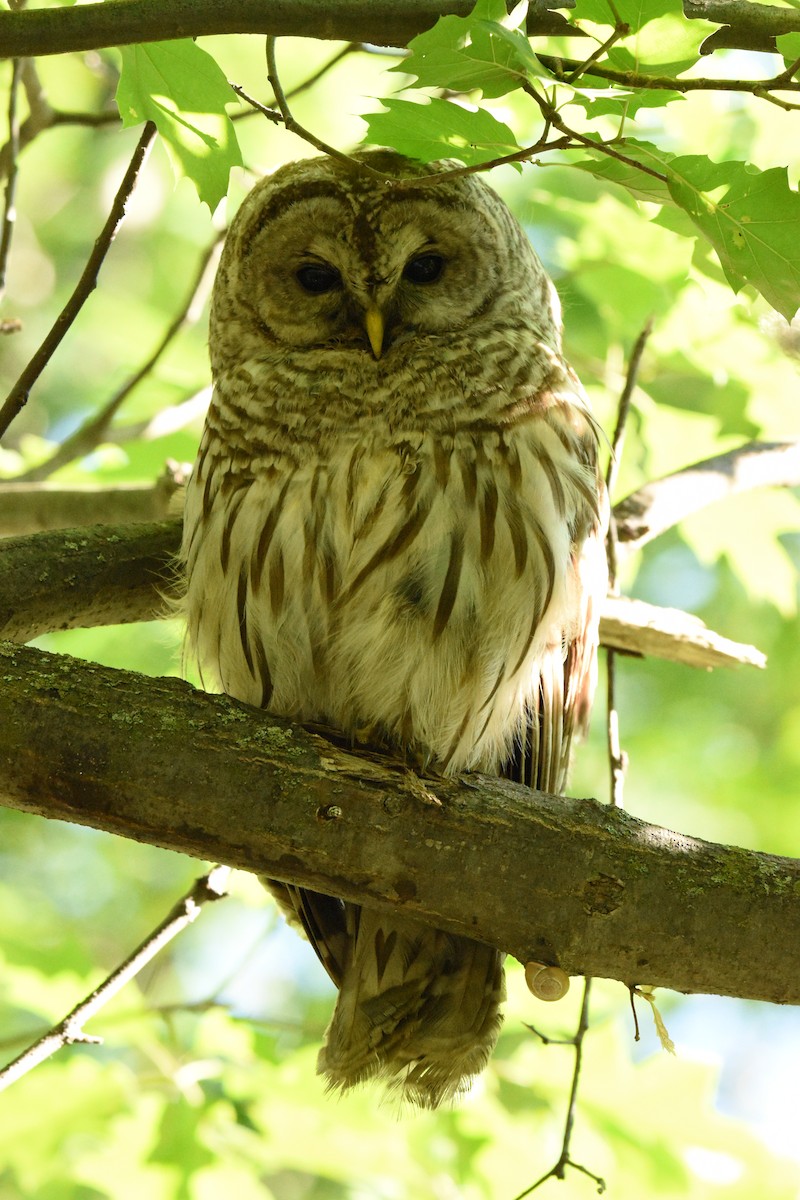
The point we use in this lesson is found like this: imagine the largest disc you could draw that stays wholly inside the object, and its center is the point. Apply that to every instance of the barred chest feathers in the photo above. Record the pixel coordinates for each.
(406, 594)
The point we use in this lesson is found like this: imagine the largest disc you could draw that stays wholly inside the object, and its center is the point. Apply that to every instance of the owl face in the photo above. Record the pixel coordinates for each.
(322, 256)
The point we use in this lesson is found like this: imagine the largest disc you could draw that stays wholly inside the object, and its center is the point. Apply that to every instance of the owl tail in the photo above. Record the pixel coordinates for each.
(417, 1007)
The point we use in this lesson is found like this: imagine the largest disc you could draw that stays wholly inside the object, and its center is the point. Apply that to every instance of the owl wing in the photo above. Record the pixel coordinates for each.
(328, 923)
(561, 707)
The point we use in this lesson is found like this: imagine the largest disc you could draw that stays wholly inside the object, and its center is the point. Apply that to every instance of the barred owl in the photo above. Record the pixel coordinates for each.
(394, 529)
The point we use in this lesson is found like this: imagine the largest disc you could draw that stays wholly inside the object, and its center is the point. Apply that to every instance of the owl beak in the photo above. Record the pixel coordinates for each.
(374, 325)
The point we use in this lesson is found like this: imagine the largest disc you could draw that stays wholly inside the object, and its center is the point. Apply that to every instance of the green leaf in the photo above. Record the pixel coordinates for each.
(750, 217)
(667, 46)
(183, 90)
(440, 129)
(633, 13)
(639, 183)
(474, 52)
(617, 102)
(788, 44)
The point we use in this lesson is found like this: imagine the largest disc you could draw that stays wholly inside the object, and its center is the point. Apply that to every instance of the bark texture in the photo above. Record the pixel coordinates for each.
(558, 880)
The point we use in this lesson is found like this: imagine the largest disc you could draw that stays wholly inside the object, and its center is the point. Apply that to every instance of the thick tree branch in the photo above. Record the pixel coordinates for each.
(31, 507)
(571, 882)
(80, 578)
(745, 25)
(381, 22)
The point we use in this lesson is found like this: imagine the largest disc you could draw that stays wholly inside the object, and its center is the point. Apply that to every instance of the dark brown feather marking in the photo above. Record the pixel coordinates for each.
(510, 456)
(262, 547)
(442, 451)
(225, 542)
(207, 496)
(276, 582)
(370, 520)
(469, 479)
(452, 579)
(542, 601)
(519, 536)
(328, 574)
(551, 475)
(410, 486)
(451, 749)
(241, 608)
(263, 673)
(383, 950)
(488, 516)
(400, 540)
(352, 476)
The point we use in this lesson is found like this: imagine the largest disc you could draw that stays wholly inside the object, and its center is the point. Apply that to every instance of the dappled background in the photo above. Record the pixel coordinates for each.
(204, 1085)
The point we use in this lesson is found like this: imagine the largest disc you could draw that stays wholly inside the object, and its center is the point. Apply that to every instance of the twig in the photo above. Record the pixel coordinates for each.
(617, 758)
(522, 155)
(618, 441)
(559, 1169)
(18, 396)
(563, 69)
(9, 211)
(69, 1031)
(94, 430)
(296, 128)
(583, 67)
(550, 113)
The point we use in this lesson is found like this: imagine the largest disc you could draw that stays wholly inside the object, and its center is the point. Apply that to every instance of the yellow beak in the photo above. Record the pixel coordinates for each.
(373, 322)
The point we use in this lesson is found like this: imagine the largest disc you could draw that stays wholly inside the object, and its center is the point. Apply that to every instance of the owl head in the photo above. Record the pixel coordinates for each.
(325, 255)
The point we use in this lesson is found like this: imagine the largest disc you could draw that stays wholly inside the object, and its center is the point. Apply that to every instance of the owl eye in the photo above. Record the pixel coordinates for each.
(425, 269)
(317, 278)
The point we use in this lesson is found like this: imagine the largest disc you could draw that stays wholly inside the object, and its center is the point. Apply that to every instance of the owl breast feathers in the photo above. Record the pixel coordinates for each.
(394, 528)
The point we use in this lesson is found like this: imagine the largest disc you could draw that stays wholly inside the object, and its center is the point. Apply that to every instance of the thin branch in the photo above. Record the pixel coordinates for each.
(9, 209)
(559, 1169)
(617, 758)
(95, 429)
(563, 70)
(551, 114)
(69, 1031)
(527, 152)
(299, 130)
(650, 631)
(104, 748)
(660, 505)
(18, 396)
(582, 68)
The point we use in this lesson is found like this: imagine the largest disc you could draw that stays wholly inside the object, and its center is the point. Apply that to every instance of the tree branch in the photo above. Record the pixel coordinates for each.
(745, 25)
(382, 22)
(70, 1030)
(110, 575)
(18, 396)
(549, 879)
(30, 507)
(665, 502)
